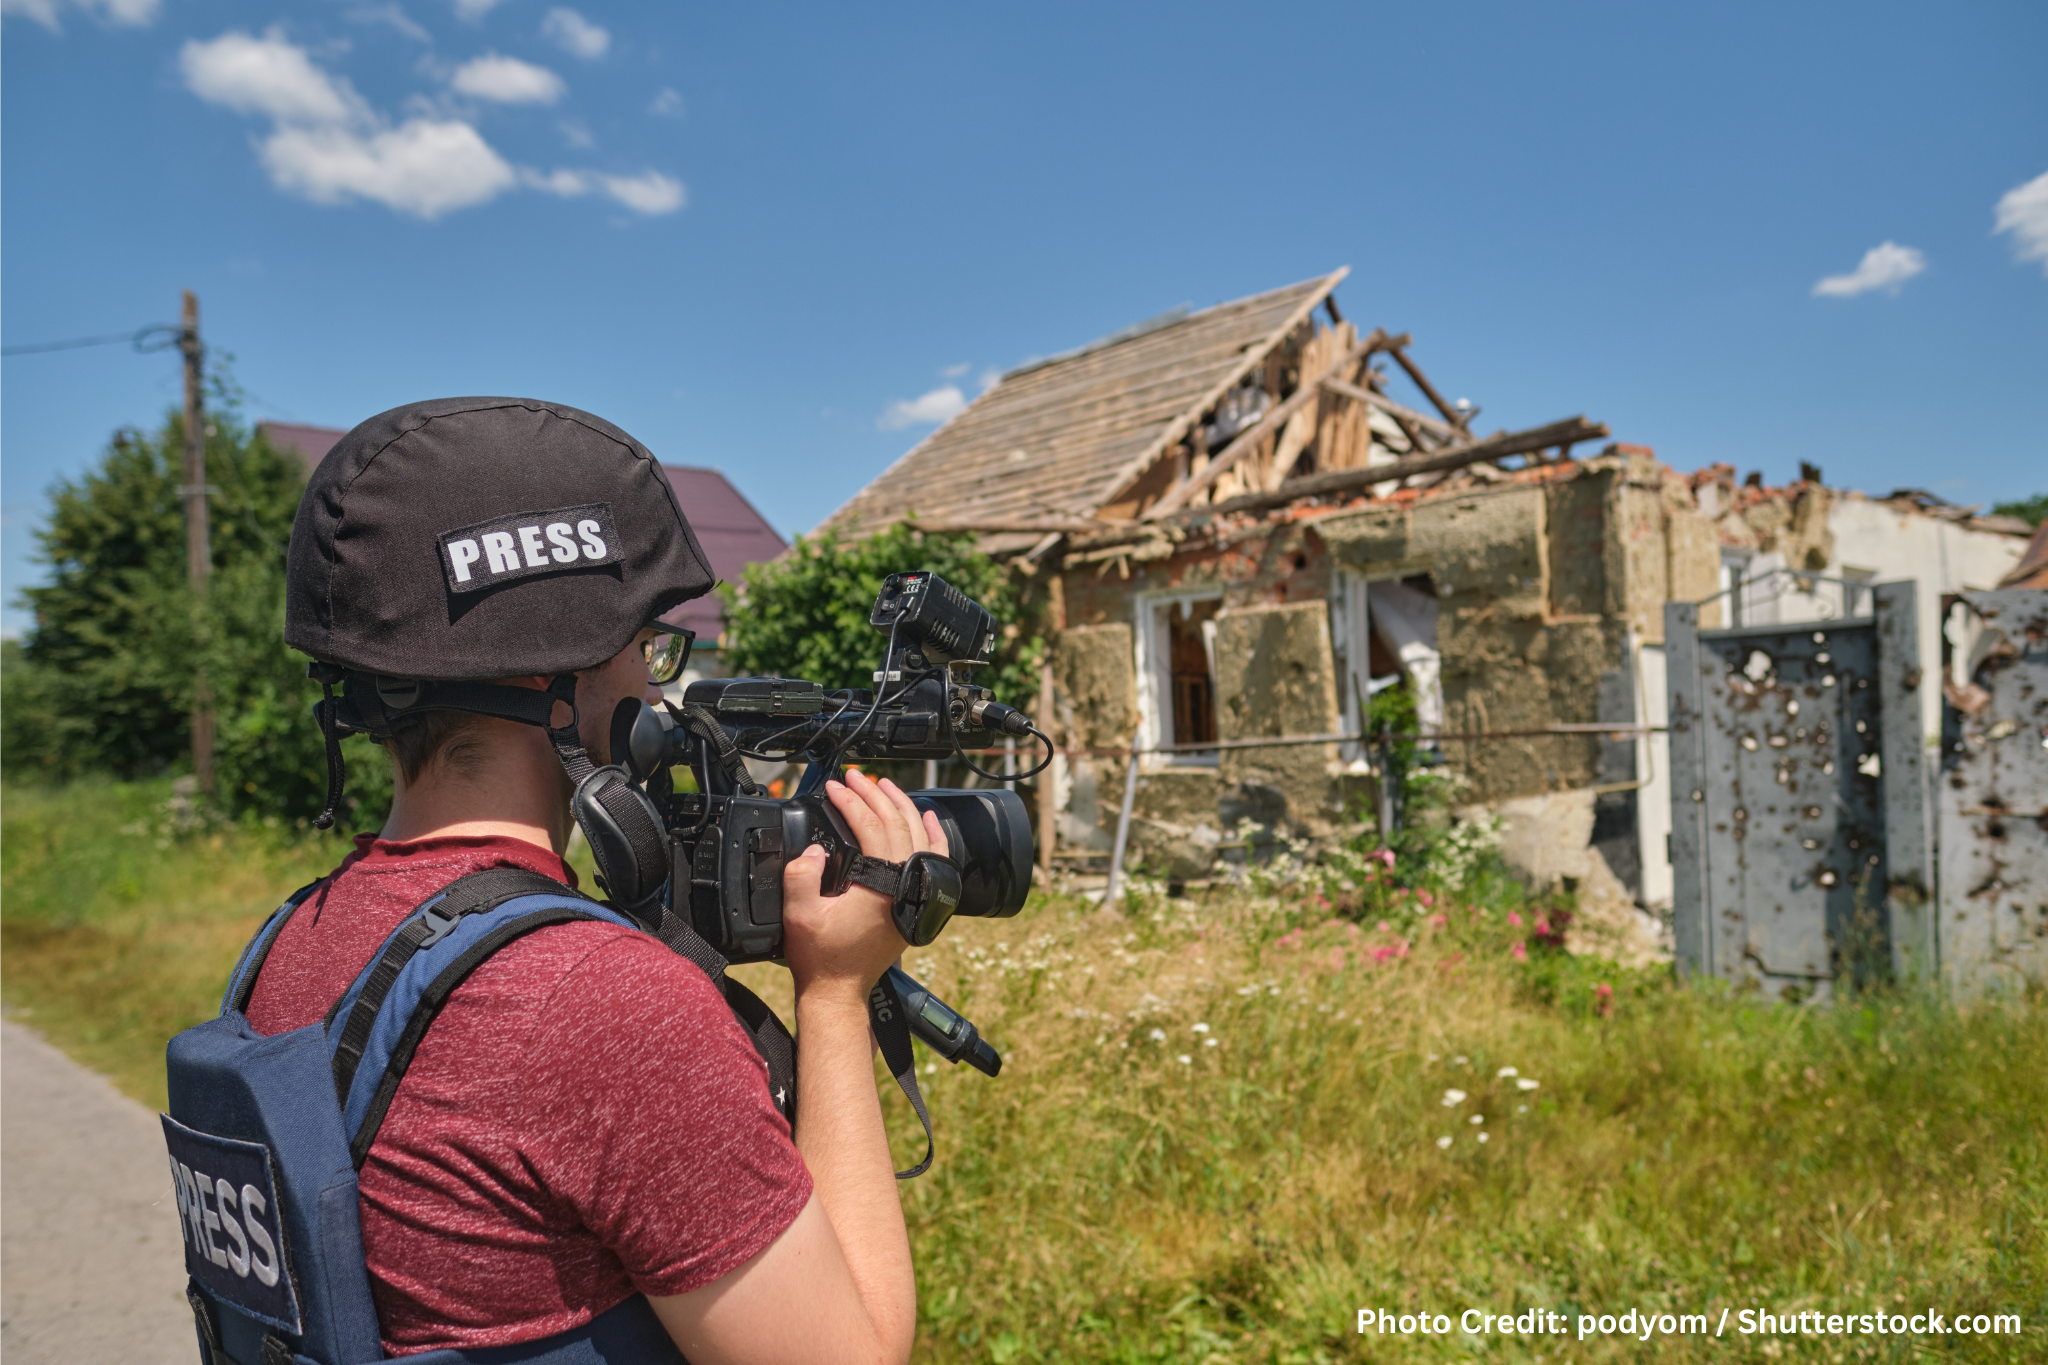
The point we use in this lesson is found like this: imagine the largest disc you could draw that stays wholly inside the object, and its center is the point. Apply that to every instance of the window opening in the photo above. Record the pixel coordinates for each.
(1191, 653)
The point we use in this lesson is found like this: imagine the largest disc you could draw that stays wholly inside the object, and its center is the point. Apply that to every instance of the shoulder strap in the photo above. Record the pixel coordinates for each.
(770, 1036)
(377, 1025)
(242, 981)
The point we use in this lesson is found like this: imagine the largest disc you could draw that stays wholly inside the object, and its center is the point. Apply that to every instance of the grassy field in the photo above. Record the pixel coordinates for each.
(1228, 1122)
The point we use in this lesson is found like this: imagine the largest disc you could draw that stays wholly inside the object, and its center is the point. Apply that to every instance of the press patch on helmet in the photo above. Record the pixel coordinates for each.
(528, 544)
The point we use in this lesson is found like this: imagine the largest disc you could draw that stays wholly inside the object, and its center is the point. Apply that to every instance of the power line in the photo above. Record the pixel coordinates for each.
(160, 337)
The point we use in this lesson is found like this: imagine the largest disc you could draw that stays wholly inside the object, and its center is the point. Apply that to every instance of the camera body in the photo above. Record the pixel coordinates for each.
(727, 854)
(728, 848)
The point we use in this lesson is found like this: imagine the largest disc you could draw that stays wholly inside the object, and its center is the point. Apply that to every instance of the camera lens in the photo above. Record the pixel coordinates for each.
(988, 835)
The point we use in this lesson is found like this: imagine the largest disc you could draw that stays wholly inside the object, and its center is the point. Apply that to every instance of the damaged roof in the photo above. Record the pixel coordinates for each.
(1054, 440)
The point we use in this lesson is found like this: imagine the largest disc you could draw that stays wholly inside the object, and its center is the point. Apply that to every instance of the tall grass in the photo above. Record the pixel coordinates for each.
(121, 910)
(1119, 1196)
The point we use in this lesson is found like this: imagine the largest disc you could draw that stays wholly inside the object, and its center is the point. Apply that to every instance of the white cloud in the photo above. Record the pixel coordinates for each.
(990, 378)
(507, 80)
(472, 11)
(394, 16)
(572, 32)
(1885, 266)
(425, 167)
(120, 13)
(327, 145)
(651, 193)
(2023, 211)
(668, 104)
(955, 371)
(267, 75)
(577, 134)
(940, 405)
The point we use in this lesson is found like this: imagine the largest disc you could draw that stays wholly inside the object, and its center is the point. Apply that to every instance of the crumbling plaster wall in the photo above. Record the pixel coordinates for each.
(1540, 585)
(1276, 675)
(1180, 810)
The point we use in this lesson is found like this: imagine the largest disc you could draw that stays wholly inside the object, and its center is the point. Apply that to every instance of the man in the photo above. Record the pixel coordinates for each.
(585, 1120)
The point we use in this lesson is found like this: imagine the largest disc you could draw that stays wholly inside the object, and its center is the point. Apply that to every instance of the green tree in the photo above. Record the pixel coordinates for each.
(2032, 510)
(104, 681)
(805, 615)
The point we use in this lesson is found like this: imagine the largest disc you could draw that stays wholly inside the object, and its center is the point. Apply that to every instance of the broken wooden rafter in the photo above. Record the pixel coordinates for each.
(1421, 381)
(1345, 389)
(1567, 433)
(1253, 355)
(1177, 497)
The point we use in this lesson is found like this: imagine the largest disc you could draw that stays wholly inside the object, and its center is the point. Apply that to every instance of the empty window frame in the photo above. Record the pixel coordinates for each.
(1177, 661)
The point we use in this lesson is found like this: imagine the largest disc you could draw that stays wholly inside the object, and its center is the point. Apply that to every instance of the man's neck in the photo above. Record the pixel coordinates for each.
(513, 788)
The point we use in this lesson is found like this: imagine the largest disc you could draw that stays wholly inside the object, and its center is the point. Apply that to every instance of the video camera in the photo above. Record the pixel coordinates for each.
(728, 843)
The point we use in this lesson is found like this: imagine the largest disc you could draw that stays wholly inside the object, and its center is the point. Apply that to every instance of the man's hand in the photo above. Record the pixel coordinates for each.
(842, 944)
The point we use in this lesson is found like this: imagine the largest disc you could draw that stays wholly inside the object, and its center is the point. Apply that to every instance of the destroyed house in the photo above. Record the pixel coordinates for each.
(1249, 519)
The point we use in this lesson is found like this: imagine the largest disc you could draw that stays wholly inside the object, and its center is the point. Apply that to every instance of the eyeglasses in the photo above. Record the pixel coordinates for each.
(667, 653)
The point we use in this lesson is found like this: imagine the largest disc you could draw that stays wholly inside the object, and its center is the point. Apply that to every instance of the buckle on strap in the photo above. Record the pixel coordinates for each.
(439, 926)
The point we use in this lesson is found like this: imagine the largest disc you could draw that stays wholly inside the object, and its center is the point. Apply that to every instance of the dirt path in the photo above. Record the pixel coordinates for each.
(91, 1266)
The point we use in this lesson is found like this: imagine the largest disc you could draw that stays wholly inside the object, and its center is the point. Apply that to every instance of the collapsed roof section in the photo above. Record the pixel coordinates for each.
(1240, 408)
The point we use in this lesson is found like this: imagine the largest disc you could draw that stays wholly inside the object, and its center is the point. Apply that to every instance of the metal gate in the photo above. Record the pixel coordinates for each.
(1993, 793)
(1799, 843)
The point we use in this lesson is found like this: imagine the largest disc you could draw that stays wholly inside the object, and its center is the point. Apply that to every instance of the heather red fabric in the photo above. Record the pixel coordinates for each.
(584, 1119)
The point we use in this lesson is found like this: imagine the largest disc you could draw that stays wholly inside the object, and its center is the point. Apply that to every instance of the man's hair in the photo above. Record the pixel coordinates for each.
(450, 738)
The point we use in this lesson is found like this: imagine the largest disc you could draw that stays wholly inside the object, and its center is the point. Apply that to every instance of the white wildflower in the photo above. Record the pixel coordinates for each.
(1461, 1061)
(1482, 1137)
(1201, 1028)
(1159, 1035)
(1477, 1118)
(1453, 1098)
(1505, 1072)
(1526, 1084)
(1444, 1142)
(1521, 1109)
(1209, 1042)
(1186, 1060)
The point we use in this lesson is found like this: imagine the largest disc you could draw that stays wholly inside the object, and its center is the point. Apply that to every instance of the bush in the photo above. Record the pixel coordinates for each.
(805, 615)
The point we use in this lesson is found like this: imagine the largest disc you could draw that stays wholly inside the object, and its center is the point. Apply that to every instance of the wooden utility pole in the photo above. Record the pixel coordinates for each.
(198, 538)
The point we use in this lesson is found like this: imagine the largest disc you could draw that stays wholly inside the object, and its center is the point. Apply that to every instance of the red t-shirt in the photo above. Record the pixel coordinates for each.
(584, 1119)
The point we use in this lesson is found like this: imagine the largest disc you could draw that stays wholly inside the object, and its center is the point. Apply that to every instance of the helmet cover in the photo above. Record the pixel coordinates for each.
(475, 538)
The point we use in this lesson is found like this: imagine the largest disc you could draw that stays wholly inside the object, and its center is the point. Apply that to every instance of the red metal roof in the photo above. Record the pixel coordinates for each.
(311, 443)
(732, 533)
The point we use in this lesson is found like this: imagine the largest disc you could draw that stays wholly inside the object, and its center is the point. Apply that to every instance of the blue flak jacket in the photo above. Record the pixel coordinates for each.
(266, 1134)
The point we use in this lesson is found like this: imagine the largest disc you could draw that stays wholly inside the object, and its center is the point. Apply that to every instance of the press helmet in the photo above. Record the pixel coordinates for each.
(474, 538)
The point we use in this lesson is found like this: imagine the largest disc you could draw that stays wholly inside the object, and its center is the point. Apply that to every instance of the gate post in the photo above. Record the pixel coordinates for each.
(1910, 909)
(1691, 934)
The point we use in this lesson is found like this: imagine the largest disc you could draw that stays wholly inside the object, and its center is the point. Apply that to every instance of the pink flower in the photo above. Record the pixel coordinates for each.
(1439, 920)
(1403, 950)
(1426, 899)
(1514, 919)
(1385, 927)
(1542, 926)
(1383, 952)
(1385, 855)
(1290, 939)
(1603, 996)
(1353, 930)
(1518, 952)
(1336, 959)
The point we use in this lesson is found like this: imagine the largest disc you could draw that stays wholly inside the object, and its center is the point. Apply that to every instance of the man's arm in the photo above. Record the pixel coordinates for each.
(837, 1285)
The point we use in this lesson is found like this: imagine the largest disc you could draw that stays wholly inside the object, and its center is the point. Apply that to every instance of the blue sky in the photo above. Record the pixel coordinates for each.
(748, 234)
